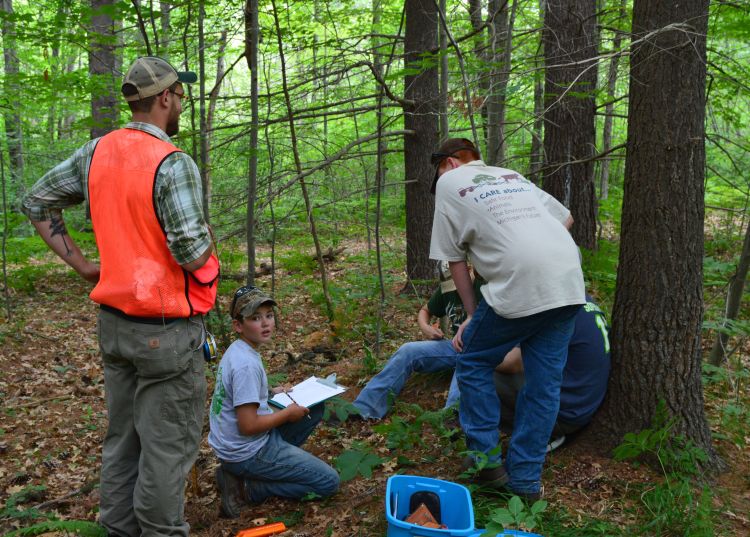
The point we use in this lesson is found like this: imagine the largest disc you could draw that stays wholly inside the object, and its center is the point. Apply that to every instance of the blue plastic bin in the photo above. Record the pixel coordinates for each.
(457, 512)
(507, 533)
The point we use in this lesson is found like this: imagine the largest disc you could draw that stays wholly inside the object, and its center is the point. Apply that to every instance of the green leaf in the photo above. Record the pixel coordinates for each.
(357, 461)
(515, 506)
(502, 517)
(492, 530)
(538, 507)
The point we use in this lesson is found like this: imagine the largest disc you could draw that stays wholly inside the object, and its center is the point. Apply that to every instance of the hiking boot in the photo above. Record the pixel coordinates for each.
(495, 477)
(528, 497)
(232, 491)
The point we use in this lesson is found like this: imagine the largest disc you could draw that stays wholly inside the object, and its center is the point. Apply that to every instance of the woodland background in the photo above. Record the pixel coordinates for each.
(312, 125)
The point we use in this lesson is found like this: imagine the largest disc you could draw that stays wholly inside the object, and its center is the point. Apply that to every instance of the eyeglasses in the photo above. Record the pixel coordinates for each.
(181, 96)
(242, 291)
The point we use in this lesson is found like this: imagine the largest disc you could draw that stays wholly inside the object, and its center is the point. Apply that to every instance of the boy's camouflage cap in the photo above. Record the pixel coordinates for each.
(248, 303)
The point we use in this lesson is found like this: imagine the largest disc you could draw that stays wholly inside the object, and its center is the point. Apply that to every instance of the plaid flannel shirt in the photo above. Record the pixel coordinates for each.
(178, 195)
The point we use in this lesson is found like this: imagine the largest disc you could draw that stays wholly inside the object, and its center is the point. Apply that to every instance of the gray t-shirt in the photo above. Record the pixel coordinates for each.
(514, 235)
(240, 379)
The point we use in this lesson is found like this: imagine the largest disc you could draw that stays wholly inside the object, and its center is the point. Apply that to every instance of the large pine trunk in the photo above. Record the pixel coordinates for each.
(656, 336)
(421, 116)
(570, 43)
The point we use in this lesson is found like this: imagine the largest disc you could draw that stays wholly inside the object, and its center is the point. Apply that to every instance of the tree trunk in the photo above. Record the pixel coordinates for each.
(252, 31)
(298, 169)
(500, 46)
(734, 299)
(202, 109)
(379, 59)
(610, 107)
(444, 79)
(212, 99)
(656, 320)
(569, 131)
(12, 113)
(6, 231)
(165, 9)
(55, 67)
(420, 116)
(105, 110)
(536, 157)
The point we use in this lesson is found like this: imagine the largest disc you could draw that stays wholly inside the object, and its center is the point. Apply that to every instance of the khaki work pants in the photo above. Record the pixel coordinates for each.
(155, 388)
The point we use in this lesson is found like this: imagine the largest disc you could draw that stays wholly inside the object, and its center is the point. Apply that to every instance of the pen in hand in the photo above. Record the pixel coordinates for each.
(289, 395)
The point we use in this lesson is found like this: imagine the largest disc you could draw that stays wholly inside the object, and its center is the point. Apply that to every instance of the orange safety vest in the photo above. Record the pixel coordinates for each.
(138, 274)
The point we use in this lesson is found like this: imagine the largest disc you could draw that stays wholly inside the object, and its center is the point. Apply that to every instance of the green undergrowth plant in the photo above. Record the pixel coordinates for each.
(339, 407)
(12, 508)
(679, 504)
(516, 515)
(298, 261)
(481, 461)
(83, 528)
(25, 279)
(557, 520)
(600, 271)
(13, 514)
(370, 362)
(408, 426)
(733, 413)
(360, 459)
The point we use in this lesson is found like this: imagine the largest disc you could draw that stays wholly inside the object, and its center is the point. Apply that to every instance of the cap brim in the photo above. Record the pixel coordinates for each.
(187, 77)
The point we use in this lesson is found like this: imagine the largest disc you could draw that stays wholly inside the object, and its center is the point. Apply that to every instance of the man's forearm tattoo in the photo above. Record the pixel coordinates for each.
(57, 227)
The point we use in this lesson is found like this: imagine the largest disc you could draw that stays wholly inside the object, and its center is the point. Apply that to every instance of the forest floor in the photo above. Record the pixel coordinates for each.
(54, 419)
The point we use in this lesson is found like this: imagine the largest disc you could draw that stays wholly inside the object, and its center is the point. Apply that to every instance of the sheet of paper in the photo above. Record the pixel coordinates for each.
(307, 393)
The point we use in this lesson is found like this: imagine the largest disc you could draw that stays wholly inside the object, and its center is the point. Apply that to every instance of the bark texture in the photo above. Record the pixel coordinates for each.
(421, 112)
(11, 113)
(656, 336)
(105, 112)
(570, 44)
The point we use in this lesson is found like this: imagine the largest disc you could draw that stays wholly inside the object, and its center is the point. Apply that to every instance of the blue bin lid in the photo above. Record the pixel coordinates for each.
(506, 533)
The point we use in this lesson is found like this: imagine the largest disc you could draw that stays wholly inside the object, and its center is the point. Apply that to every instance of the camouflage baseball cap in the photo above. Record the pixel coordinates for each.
(246, 301)
(150, 76)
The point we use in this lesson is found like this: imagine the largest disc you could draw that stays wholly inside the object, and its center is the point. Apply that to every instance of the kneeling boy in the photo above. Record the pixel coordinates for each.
(258, 448)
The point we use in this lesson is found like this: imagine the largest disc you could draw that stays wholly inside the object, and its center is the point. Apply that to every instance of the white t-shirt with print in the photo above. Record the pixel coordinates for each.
(240, 379)
(514, 235)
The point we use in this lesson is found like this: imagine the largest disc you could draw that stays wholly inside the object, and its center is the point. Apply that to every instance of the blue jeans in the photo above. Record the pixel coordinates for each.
(282, 468)
(418, 356)
(544, 339)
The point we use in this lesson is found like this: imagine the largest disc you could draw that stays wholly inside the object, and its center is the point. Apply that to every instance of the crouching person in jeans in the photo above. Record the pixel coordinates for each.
(257, 447)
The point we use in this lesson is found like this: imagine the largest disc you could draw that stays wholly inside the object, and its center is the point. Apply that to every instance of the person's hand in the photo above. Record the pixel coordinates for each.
(296, 412)
(282, 389)
(458, 343)
(90, 272)
(432, 332)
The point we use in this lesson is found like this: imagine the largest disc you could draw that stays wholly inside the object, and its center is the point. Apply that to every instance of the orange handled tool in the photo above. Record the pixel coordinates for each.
(262, 531)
